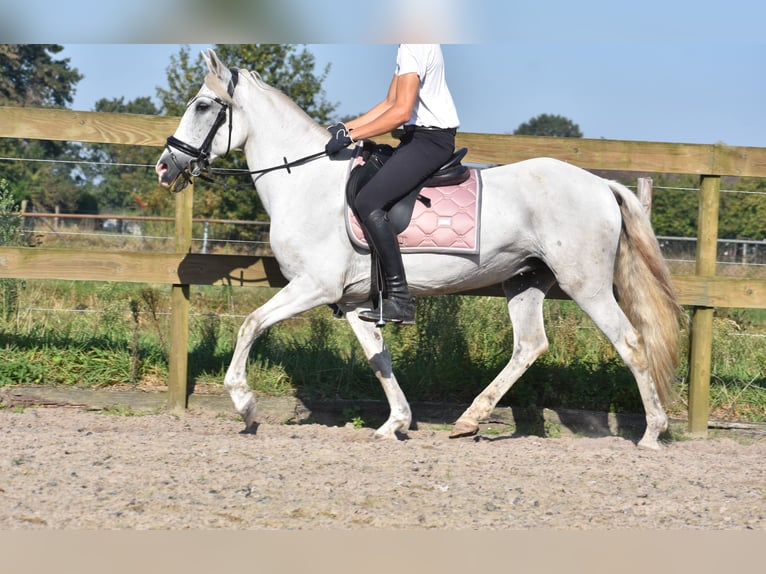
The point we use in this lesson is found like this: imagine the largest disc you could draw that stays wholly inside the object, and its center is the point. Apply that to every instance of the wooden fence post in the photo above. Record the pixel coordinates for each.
(702, 317)
(178, 375)
(644, 193)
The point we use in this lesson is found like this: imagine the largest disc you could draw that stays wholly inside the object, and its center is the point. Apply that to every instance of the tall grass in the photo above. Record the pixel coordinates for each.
(103, 334)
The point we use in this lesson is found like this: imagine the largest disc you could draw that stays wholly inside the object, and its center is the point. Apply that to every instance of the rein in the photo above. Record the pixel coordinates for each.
(286, 165)
(223, 171)
(200, 156)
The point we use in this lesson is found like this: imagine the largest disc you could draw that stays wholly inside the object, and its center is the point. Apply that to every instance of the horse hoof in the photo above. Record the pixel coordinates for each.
(649, 445)
(385, 437)
(464, 428)
(251, 425)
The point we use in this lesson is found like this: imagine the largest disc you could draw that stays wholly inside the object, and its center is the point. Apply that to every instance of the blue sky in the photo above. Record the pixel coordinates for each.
(691, 72)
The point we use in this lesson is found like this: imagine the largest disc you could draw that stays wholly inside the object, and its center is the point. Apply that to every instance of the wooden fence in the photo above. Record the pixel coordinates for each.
(703, 291)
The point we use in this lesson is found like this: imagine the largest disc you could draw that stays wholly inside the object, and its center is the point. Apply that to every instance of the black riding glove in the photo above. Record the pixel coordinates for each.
(339, 138)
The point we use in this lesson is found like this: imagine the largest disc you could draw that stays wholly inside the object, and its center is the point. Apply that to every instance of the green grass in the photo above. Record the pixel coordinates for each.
(102, 334)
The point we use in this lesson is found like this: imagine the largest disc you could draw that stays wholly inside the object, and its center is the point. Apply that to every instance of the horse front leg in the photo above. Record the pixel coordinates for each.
(374, 347)
(298, 296)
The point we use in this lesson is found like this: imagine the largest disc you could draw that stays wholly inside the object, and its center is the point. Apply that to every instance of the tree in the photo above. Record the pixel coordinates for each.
(185, 76)
(549, 125)
(286, 67)
(675, 207)
(31, 76)
(743, 214)
(121, 177)
(282, 66)
(675, 210)
(10, 234)
(10, 222)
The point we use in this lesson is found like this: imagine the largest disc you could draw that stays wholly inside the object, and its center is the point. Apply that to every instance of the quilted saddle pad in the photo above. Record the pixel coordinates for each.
(450, 225)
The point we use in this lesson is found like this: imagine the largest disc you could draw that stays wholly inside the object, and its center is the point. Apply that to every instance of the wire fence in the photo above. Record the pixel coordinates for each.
(731, 252)
(733, 256)
(146, 233)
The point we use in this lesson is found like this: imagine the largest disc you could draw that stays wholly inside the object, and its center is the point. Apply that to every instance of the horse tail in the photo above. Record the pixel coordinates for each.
(645, 292)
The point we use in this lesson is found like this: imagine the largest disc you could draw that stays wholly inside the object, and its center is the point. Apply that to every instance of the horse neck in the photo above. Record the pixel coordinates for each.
(280, 131)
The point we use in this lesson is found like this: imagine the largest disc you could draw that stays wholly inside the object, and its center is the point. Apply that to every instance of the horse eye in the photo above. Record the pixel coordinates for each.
(202, 106)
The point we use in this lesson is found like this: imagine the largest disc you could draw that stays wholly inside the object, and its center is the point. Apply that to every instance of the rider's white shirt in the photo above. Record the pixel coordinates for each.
(434, 106)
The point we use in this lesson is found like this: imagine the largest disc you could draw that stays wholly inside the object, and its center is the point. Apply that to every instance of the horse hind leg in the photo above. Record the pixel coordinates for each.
(612, 321)
(525, 295)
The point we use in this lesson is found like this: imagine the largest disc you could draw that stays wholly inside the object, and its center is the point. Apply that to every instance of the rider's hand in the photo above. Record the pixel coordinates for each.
(339, 138)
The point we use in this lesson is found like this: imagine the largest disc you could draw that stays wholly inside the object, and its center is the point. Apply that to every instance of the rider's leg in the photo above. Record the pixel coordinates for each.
(398, 307)
(418, 156)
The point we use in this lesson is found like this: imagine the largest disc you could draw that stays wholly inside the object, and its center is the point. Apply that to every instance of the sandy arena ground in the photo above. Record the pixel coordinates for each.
(71, 468)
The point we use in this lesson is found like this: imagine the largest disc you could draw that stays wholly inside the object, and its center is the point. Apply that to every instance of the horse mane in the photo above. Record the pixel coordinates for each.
(214, 83)
(256, 78)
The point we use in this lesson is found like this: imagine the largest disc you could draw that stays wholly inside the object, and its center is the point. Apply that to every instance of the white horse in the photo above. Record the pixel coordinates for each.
(543, 222)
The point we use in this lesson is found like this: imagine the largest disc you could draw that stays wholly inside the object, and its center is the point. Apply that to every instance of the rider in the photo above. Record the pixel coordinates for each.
(419, 98)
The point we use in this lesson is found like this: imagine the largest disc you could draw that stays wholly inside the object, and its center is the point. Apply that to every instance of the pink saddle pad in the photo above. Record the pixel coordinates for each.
(450, 225)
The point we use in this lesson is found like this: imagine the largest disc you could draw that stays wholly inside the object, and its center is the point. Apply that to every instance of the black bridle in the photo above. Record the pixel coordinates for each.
(199, 164)
(200, 156)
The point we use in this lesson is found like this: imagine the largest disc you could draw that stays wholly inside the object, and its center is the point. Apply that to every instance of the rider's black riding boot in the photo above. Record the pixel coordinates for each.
(398, 306)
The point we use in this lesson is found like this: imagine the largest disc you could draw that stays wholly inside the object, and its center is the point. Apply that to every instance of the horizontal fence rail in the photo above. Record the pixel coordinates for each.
(250, 270)
(702, 290)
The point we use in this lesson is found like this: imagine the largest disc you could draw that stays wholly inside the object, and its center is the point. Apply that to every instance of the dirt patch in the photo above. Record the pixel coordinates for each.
(72, 468)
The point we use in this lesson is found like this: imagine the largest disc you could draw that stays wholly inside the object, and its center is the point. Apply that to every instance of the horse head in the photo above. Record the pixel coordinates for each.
(199, 139)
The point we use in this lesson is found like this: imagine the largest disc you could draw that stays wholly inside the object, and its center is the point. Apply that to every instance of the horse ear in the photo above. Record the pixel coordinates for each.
(208, 63)
(214, 65)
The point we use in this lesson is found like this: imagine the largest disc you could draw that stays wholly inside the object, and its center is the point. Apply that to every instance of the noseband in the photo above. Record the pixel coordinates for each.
(200, 156)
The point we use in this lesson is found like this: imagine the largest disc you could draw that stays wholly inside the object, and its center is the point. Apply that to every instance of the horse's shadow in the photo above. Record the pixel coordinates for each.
(557, 423)
(336, 388)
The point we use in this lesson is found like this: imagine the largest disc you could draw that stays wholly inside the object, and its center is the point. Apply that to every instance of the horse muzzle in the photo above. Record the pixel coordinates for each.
(173, 172)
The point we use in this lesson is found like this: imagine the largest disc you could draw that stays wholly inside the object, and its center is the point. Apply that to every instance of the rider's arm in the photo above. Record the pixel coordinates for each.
(392, 112)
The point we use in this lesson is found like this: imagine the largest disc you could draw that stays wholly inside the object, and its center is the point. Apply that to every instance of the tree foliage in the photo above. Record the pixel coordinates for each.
(185, 76)
(121, 178)
(743, 215)
(283, 66)
(674, 204)
(675, 207)
(549, 125)
(10, 223)
(30, 75)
